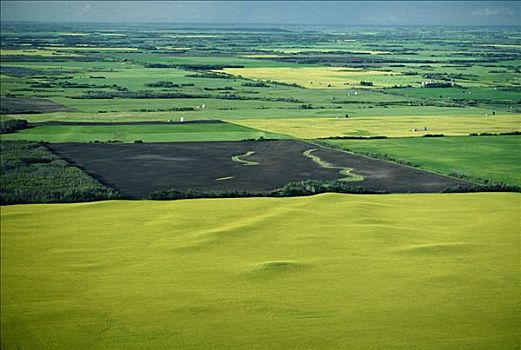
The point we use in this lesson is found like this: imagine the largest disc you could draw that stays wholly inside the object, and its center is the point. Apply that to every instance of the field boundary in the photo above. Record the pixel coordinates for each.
(392, 162)
(73, 123)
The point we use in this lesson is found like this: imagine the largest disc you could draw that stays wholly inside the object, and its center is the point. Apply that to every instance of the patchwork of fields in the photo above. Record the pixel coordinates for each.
(96, 113)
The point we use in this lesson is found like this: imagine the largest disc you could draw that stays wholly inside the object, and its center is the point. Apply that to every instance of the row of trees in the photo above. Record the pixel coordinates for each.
(11, 125)
(297, 188)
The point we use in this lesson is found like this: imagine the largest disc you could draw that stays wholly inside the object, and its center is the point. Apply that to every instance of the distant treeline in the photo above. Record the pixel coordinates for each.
(167, 84)
(211, 75)
(136, 95)
(11, 125)
(192, 66)
(255, 84)
(145, 94)
(496, 133)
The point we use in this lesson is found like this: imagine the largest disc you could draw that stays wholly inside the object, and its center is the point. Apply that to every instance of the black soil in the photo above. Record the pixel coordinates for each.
(139, 169)
(26, 105)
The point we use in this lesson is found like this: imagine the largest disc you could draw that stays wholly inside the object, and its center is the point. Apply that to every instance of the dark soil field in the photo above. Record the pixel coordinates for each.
(16, 105)
(139, 169)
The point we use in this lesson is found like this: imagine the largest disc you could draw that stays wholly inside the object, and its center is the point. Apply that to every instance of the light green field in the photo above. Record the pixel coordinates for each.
(241, 110)
(496, 158)
(310, 128)
(371, 272)
(145, 133)
(492, 94)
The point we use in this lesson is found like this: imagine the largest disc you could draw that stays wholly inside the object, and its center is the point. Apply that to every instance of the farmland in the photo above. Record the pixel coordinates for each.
(320, 77)
(223, 166)
(390, 126)
(497, 158)
(131, 132)
(205, 158)
(265, 273)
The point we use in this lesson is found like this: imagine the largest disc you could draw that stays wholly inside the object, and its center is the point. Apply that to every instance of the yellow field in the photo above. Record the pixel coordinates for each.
(326, 49)
(92, 48)
(317, 77)
(506, 46)
(309, 128)
(430, 272)
(50, 52)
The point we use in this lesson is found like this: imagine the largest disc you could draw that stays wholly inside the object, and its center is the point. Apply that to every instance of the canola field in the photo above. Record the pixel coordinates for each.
(322, 77)
(369, 271)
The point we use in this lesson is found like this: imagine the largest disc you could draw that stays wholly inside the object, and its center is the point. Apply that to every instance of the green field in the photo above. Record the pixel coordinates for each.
(497, 158)
(367, 271)
(145, 133)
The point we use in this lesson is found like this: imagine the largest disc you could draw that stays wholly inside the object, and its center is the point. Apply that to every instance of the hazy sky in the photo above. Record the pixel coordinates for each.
(269, 12)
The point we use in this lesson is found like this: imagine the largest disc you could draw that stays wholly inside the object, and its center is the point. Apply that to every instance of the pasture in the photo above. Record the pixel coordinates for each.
(319, 272)
(497, 158)
(214, 130)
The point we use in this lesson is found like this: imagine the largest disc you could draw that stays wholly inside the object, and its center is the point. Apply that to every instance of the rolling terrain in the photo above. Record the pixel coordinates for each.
(370, 271)
(96, 120)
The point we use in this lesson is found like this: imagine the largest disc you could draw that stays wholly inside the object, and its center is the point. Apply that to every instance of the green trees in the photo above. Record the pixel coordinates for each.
(11, 125)
(30, 173)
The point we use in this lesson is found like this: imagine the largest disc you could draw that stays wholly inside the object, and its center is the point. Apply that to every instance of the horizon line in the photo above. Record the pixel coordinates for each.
(265, 24)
